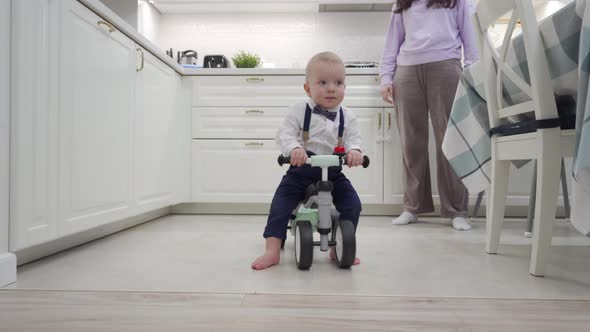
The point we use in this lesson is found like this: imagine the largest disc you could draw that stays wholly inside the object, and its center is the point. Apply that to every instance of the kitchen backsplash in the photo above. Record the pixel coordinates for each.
(282, 40)
(285, 40)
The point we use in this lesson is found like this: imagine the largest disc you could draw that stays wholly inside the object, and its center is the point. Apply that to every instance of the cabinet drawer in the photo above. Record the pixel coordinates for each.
(236, 122)
(235, 171)
(247, 90)
(278, 91)
(363, 91)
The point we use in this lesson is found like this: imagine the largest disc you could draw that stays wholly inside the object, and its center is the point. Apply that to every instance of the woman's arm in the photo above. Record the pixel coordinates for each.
(393, 41)
(464, 13)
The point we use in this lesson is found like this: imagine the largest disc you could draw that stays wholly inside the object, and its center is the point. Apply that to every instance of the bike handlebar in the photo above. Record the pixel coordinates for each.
(287, 160)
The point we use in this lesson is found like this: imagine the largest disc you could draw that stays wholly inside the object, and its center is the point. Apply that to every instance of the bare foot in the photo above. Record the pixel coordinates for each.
(357, 261)
(266, 260)
(271, 257)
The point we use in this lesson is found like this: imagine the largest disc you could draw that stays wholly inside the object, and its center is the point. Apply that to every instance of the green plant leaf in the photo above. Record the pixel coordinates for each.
(244, 59)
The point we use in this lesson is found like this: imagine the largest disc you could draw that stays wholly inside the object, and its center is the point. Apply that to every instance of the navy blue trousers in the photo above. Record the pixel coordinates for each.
(291, 191)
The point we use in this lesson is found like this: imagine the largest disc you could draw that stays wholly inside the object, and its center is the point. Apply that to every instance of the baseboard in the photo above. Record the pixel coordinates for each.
(368, 209)
(7, 269)
(30, 254)
(263, 208)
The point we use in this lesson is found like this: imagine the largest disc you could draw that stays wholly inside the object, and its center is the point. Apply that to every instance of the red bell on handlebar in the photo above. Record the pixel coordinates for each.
(339, 149)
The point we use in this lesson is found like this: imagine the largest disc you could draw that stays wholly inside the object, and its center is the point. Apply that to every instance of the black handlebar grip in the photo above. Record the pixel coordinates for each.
(283, 160)
(366, 161)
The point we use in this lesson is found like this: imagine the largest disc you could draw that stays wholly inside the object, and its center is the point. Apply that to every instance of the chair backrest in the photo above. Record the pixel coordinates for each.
(540, 89)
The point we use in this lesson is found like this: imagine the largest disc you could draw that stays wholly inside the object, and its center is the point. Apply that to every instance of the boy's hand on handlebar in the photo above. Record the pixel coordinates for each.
(354, 158)
(298, 157)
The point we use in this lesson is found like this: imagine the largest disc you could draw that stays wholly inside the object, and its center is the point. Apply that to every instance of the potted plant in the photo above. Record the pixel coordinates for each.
(244, 59)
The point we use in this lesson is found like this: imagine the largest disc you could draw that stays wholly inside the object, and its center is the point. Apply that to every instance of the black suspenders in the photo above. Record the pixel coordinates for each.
(307, 121)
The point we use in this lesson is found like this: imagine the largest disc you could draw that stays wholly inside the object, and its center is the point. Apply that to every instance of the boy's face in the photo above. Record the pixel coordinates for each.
(325, 84)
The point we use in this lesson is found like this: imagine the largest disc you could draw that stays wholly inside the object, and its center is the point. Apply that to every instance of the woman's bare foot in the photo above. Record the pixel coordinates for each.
(271, 257)
(357, 261)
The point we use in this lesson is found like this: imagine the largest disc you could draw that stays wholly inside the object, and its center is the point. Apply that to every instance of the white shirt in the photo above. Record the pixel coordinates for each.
(323, 132)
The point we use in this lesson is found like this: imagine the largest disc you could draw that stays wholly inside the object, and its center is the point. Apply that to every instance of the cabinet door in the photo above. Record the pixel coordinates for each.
(154, 133)
(235, 171)
(97, 72)
(33, 128)
(393, 160)
(368, 182)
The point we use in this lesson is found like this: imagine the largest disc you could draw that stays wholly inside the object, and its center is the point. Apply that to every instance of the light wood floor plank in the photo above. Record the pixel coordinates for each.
(64, 311)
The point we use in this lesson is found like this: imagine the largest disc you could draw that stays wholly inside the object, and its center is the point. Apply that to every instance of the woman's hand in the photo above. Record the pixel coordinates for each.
(387, 93)
(354, 158)
(298, 157)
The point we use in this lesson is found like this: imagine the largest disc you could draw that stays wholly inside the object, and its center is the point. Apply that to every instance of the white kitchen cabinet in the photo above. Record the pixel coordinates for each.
(154, 133)
(93, 140)
(236, 171)
(97, 74)
(393, 191)
(368, 182)
(33, 144)
(230, 111)
(234, 121)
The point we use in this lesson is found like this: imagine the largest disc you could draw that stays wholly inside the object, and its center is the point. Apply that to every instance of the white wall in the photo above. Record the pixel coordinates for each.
(126, 9)
(148, 20)
(7, 259)
(287, 40)
(4, 120)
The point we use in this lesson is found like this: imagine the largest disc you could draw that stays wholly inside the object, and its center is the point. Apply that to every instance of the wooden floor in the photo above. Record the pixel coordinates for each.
(63, 311)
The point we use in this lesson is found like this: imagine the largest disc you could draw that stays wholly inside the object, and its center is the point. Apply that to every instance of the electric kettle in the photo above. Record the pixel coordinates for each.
(188, 57)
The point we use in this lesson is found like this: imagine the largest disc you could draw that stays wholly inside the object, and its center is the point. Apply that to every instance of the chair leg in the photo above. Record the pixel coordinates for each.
(548, 169)
(497, 202)
(531, 213)
(532, 200)
(566, 198)
(477, 205)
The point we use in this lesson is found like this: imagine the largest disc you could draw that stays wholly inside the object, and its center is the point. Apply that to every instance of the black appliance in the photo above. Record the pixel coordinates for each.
(215, 61)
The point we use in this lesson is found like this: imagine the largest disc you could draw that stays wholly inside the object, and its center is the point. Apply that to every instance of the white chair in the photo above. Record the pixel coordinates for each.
(546, 146)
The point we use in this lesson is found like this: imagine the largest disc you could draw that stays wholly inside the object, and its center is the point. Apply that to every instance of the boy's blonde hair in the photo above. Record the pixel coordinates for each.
(326, 57)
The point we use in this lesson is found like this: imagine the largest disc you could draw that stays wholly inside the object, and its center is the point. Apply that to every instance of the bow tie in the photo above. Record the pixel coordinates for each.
(325, 113)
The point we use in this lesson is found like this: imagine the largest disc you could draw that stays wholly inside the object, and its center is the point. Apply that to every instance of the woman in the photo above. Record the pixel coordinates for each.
(420, 71)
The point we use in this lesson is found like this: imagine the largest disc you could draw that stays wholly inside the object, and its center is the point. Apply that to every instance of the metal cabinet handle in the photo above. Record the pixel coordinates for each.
(142, 60)
(254, 111)
(379, 120)
(254, 144)
(388, 120)
(108, 25)
(254, 79)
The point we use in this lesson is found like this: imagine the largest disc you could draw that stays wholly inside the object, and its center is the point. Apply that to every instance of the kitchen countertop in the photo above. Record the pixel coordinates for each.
(267, 71)
(106, 13)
